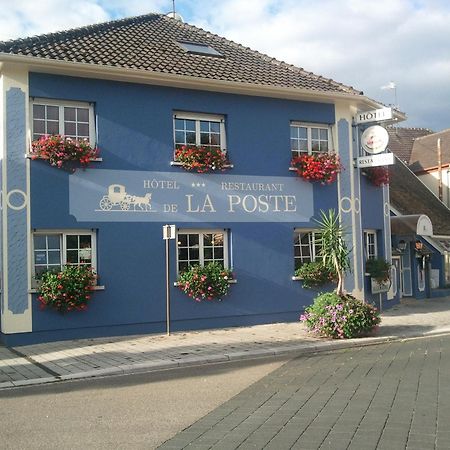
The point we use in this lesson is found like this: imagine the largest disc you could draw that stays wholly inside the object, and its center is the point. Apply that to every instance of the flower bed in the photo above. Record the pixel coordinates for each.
(66, 290)
(321, 167)
(340, 317)
(201, 159)
(205, 283)
(60, 151)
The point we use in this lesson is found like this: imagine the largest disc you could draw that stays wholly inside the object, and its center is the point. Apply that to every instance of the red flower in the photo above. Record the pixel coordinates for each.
(321, 167)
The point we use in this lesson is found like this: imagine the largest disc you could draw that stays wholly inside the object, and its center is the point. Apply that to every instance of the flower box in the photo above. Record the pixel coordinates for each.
(62, 152)
(201, 159)
(318, 167)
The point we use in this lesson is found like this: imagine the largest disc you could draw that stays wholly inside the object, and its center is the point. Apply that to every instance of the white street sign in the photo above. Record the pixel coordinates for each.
(376, 115)
(168, 232)
(382, 159)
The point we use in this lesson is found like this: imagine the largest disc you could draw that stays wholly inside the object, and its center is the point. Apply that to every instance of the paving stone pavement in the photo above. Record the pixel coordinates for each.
(390, 396)
(84, 358)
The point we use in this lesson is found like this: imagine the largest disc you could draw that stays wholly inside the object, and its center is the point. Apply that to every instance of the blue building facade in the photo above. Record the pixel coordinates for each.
(256, 217)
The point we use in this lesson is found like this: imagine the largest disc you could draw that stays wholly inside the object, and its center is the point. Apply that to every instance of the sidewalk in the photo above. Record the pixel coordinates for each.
(84, 358)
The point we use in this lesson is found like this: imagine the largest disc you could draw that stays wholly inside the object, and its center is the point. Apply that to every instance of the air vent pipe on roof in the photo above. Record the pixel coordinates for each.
(176, 16)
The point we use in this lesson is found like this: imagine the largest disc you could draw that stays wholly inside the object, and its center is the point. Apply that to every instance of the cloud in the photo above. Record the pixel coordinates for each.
(364, 44)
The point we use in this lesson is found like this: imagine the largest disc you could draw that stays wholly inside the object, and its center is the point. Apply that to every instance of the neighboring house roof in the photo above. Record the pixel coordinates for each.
(424, 154)
(409, 195)
(150, 43)
(401, 140)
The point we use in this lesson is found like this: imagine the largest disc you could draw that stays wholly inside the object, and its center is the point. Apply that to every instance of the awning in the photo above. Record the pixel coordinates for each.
(418, 224)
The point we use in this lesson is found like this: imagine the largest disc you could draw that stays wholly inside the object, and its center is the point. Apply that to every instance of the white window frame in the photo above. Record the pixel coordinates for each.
(368, 245)
(309, 127)
(63, 246)
(61, 104)
(201, 233)
(197, 117)
(313, 255)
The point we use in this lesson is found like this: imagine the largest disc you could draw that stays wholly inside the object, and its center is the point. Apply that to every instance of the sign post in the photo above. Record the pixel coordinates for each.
(168, 234)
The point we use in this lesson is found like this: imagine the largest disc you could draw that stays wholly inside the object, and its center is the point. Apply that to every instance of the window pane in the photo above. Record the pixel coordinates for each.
(39, 112)
(85, 241)
(83, 130)
(193, 240)
(72, 241)
(182, 240)
(314, 133)
(72, 257)
(39, 126)
(69, 114)
(40, 257)
(54, 257)
(302, 133)
(324, 135)
(204, 126)
(207, 239)
(215, 139)
(52, 127)
(218, 253)
(179, 137)
(83, 114)
(194, 254)
(40, 242)
(190, 138)
(215, 127)
(52, 112)
(218, 239)
(183, 266)
(204, 139)
(70, 129)
(303, 146)
(183, 254)
(53, 241)
(190, 125)
(208, 253)
(294, 144)
(85, 255)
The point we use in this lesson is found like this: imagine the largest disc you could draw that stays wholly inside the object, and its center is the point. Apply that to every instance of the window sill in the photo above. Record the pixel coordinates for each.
(175, 283)
(96, 288)
(178, 164)
(30, 156)
(292, 169)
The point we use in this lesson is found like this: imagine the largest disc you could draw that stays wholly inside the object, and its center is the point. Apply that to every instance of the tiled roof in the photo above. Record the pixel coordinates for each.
(149, 43)
(410, 196)
(401, 140)
(424, 153)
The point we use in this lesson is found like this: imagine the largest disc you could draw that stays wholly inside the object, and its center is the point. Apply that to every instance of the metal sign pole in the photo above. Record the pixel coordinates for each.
(167, 289)
(168, 233)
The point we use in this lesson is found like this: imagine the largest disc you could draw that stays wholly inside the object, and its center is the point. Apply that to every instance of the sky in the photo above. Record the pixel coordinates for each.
(367, 44)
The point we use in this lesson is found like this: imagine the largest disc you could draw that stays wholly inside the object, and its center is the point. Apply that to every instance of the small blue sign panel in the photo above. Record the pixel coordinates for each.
(135, 196)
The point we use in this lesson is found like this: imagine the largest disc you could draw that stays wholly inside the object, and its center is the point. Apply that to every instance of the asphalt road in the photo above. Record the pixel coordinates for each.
(123, 412)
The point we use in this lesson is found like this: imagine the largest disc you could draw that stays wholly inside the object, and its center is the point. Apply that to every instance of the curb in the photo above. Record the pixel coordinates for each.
(155, 366)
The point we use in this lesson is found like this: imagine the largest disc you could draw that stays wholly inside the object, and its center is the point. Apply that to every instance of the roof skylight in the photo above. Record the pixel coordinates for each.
(199, 49)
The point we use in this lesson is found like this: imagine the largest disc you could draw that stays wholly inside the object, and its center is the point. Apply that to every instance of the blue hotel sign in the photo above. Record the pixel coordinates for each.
(134, 196)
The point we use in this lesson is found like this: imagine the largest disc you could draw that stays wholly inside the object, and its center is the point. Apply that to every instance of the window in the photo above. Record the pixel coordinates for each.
(54, 249)
(306, 247)
(199, 49)
(309, 139)
(199, 129)
(75, 120)
(201, 247)
(370, 244)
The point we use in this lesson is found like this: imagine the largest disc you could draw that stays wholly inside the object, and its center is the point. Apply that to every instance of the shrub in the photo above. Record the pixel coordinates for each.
(201, 159)
(378, 176)
(340, 317)
(205, 283)
(68, 289)
(379, 269)
(59, 151)
(315, 274)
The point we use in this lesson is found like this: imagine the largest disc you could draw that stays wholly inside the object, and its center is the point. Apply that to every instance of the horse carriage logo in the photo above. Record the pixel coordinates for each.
(118, 200)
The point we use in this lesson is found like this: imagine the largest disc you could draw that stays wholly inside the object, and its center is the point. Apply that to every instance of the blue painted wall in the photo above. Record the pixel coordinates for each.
(135, 132)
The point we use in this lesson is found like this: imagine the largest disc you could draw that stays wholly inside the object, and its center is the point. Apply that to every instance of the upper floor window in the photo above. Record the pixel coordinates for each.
(370, 244)
(70, 119)
(306, 247)
(309, 139)
(199, 129)
(54, 249)
(201, 247)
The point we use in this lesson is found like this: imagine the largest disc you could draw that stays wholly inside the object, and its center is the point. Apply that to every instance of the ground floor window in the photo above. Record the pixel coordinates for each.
(306, 246)
(201, 247)
(53, 249)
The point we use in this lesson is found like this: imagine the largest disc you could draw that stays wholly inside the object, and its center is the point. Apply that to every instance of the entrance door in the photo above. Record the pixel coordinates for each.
(396, 289)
